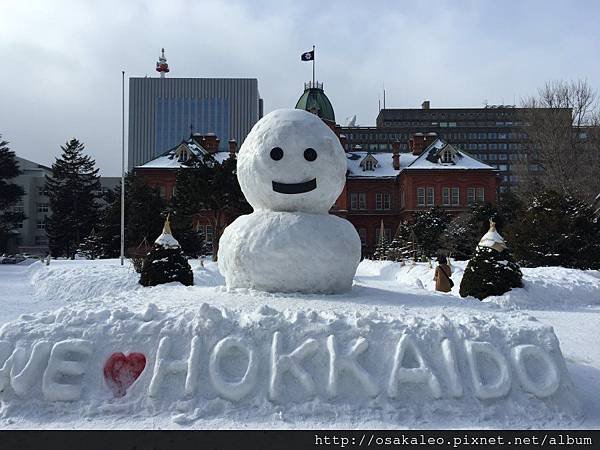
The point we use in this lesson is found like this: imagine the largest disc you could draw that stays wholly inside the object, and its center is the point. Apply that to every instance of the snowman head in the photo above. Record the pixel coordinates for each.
(291, 161)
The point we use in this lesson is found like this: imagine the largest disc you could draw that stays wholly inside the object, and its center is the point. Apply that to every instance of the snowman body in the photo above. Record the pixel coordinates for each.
(291, 168)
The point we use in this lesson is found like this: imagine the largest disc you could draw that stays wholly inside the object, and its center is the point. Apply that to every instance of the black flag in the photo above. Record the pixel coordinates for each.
(308, 56)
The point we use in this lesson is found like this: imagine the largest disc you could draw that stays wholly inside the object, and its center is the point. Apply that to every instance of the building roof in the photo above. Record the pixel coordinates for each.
(384, 168)
(178, 156)
(431, 158)
(315, 101)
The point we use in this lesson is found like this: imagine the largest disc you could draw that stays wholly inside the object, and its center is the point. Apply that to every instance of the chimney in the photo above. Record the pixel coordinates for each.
(232, 147)
(420, 141)
(396, 155)
(211, 143)
(425, 104)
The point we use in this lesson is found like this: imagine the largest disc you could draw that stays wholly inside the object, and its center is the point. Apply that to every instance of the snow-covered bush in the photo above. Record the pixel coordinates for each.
(492, 270)
(166, 262)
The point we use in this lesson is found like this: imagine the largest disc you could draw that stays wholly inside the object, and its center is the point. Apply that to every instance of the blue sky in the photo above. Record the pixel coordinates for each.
(63, 59)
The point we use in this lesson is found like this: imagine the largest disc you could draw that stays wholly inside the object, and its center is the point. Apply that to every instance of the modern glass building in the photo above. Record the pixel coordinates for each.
(163, 111)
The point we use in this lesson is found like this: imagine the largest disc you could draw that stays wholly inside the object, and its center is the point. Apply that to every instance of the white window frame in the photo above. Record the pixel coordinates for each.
(421, 196)
(430, 196)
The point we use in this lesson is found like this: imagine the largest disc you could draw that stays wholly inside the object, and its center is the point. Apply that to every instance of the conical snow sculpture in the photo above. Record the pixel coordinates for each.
(291, 168)
(492, 269)
(166, 262)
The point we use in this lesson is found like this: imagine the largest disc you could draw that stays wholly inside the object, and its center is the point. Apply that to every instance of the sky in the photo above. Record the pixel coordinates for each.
(62, 60)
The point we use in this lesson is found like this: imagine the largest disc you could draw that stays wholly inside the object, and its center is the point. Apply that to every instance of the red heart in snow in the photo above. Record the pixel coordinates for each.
(121, 371)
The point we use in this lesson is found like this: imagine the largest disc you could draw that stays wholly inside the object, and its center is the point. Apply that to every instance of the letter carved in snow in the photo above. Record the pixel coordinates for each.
(485, 389)
(347, 362)
(234, 391)
(67, 359)
(290, 363)
(420, 374)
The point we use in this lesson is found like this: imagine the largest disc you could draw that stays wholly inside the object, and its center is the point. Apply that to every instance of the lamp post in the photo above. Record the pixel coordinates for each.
(122, 166)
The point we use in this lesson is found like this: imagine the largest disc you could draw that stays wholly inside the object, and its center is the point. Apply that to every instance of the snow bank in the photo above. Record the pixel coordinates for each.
(265, 365)
(70, 281)
(544, 287)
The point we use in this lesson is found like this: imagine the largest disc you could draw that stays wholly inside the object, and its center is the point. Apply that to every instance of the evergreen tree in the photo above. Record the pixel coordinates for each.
(212, 187)
(428, 227)
(557, 231)
(380, 253)
(91, 247)
(72, 190)
(405, 244)
(166, 262)
(143, 209)
(492, 270)
(10, 194)
(459, 238)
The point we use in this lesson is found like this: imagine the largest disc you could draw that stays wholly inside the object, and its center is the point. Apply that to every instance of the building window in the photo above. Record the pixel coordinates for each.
(42, 191)
(383, 200)
(42, 207)
(420, 196)
(482, 147)
(430, 196)
(18, 208)
(40, 224)
(446, 196)
(446, 156)
(162, 191)
(358, 200)
(481, 194)
(209, 234)
(455, 196)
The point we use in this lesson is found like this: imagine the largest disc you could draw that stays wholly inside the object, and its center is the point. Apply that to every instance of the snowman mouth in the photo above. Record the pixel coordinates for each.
(295, 188)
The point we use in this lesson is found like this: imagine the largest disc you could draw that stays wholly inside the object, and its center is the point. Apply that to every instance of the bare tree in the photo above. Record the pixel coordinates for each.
(561, 123)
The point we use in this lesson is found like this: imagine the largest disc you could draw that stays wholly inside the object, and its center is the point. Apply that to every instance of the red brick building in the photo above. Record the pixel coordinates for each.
(383, 186)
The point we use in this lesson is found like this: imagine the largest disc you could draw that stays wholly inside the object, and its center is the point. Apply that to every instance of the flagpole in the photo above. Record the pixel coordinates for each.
(313, 66)
(122, 166)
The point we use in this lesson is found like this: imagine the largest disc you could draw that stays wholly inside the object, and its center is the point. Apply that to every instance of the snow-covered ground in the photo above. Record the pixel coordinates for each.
(100, 301)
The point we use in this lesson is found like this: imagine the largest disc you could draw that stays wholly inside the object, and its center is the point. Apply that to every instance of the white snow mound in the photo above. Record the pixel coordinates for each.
(211, 363)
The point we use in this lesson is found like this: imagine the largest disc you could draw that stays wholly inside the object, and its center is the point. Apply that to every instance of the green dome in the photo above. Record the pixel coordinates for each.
(315, 101)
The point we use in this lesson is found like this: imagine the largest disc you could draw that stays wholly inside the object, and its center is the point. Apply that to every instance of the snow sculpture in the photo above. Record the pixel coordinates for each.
(291, 168)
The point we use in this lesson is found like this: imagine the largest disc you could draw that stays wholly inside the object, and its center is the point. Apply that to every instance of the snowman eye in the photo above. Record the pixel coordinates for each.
(310, 154)
(276, 153)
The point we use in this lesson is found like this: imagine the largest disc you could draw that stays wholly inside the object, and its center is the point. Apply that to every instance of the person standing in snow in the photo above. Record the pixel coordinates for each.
(443, 283)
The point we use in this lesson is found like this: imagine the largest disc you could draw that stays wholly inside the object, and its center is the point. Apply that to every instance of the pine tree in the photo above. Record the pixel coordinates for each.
(459, 238)
(143, 209)
(91, 247)
(557, 231)
(213, 187)
(381, 250)
(166, 263)
(72, 190)
(428, 227)
(10, 194)
(492, 269)
(405, 246)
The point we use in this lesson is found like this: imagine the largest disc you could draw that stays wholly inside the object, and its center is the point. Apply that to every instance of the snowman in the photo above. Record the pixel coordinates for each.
(291, 168)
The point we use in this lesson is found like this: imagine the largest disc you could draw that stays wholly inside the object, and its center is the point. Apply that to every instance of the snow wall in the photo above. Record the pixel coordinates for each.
(213, 363)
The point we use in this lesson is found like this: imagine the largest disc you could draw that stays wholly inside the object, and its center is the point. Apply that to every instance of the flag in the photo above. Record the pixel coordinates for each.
(308, 56)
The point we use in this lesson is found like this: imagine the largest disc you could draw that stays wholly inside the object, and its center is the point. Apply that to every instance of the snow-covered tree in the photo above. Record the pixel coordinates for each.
(458, 239)
(10, 194)
(92, 246)
(557, 231)
(212, 186)
(428, 227)
(381, 251)
(72, 190)
(492, 269)
(166, 262)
